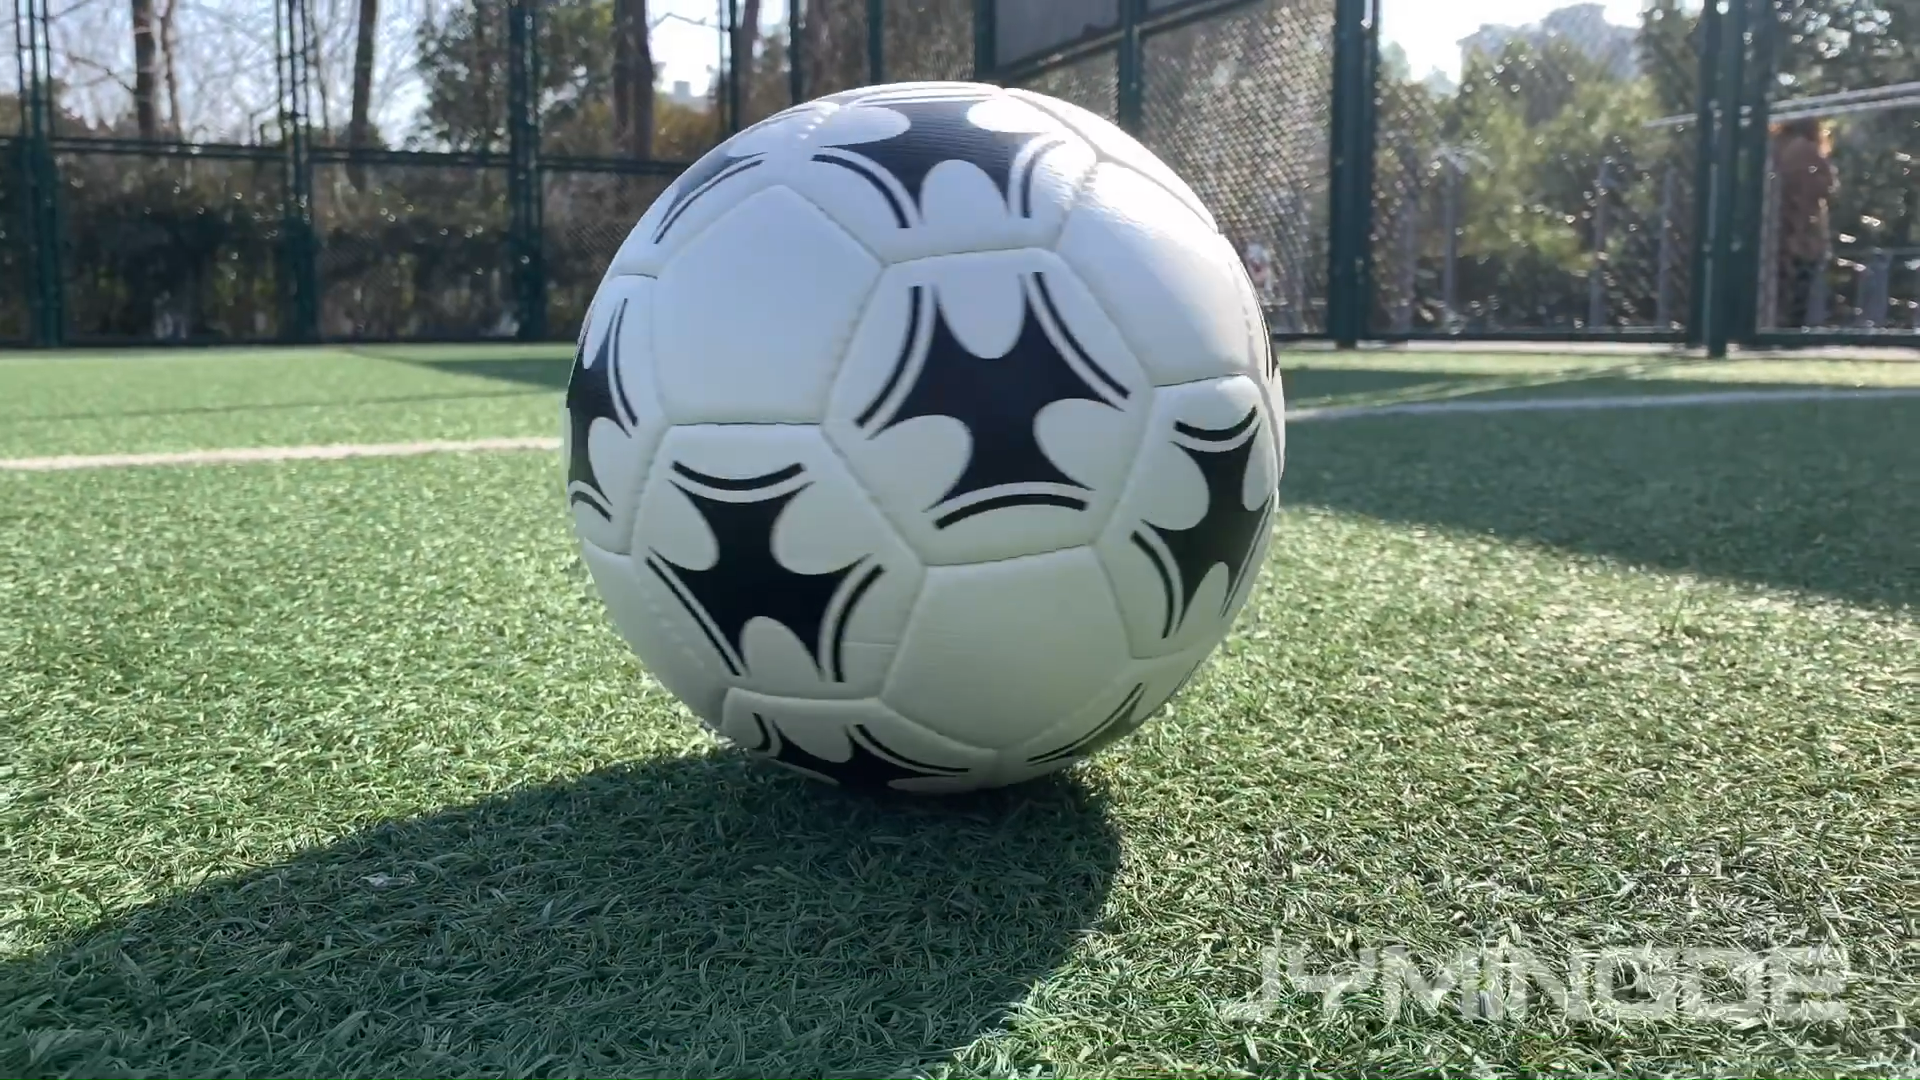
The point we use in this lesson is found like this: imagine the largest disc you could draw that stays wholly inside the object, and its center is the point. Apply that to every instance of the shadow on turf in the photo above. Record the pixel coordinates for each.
(551, 374)
(1815, 496)
(706, 916)
(545, 373)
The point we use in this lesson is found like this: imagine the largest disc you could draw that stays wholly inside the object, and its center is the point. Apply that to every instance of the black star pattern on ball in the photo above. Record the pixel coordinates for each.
(747, 581)
(941, 128)
(1224, 536)
(595, 391)
(997, 399)
(870, 764)
(1122, 721)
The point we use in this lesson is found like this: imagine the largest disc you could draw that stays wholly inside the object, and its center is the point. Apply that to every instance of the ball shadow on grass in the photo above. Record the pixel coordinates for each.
(705, 916)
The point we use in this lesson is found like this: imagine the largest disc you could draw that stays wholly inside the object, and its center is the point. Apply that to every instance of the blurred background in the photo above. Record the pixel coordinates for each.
(214, 171)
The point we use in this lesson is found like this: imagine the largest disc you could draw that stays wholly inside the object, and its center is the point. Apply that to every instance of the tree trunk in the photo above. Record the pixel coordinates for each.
(746, 36)
(176, 125)
(813, 48)
(145, 63)
(632, 79)
(359, 123)
(318, 60)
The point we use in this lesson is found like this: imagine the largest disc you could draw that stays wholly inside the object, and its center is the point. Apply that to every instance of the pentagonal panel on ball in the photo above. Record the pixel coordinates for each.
(998, 653)
(931, 168)
(856, 744)
(612, 412)
(989, 406)
(1171, 284)
(754, 314)
(1191, 533)
(754, 159)
(1136, 697)
(774, 559)
(1117, 146)
(644, 614)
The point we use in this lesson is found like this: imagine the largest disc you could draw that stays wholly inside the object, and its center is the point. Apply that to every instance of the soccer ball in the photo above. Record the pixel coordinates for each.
(925, 436)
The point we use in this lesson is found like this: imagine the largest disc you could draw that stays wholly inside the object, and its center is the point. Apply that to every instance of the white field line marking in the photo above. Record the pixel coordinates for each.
(337, 451)
(1577, 404)
(247, 454)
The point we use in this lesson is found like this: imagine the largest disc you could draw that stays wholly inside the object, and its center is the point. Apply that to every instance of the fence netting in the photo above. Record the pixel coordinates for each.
(252, 170)
(1525, 190)
(1851, 89)
(1239, 105)
(156, 248)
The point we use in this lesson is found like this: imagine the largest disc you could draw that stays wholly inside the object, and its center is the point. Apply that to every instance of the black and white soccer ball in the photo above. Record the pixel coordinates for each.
(925, 436)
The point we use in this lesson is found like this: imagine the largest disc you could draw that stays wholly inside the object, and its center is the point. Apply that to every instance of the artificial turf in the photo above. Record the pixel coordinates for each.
(334, 768)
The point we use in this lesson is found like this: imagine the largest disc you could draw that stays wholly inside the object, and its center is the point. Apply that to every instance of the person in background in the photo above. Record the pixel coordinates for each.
(1259, 263)
(1803, 158)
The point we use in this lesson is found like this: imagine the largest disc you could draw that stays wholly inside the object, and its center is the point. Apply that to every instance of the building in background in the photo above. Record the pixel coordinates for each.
(683, 95)
(1584, 27)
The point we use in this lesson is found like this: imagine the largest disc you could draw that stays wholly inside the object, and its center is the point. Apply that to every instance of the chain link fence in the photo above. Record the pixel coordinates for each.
(152, 248)
(215, 170)
(1521, 190)
(1241, 106)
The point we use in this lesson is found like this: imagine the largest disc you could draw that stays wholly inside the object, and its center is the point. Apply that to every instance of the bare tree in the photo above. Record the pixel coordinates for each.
(317, 57)
(746, 35)
(176, 126)
(145, 64)
(632, 78)
(359, 128)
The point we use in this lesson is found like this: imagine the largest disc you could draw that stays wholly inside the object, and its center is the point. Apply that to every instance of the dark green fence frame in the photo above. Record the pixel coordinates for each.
(1736, 48)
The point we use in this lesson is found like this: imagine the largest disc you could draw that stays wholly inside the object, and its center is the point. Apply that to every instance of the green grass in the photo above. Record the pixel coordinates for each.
(187, 400)
(334, 768)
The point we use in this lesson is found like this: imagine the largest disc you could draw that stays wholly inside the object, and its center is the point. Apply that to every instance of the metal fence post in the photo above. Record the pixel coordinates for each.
(525, 186)
(984, 40)
(46, 292)
(1699, 298)
(1450, 254)
(1597, 272)
(1720, 284)
(1350, 198)
(796, 52)
(1128, 63)
(299, 248)
(1755, 104)
(1663, 270)
(736, 90)
(876, 41)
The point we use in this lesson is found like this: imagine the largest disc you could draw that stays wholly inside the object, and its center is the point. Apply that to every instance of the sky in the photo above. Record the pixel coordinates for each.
(690, 53)
(1429, 30)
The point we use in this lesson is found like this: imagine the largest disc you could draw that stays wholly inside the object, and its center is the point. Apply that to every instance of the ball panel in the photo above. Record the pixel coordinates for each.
(1265, 361)
(611, 417)
(989, 405)
(934, 168)
(924, 86)
(643, 616)
(1191, 533)
(996, 652)
(754, 314)
(777, 564)
(754, 159)
(1117, 146)
(1136, 697)
(1168, 283)
(856, 744)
